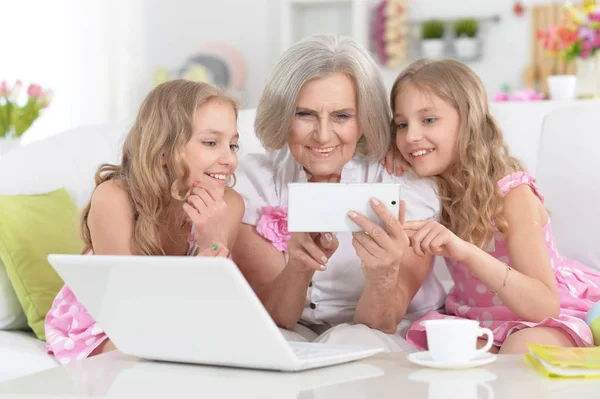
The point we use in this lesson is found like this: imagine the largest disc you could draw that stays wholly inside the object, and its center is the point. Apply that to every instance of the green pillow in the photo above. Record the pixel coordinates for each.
(31, 227)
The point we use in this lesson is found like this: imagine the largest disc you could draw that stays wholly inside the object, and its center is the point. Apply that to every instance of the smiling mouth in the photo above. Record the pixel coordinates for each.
(221, 178)
(322, 152)
(421, 153)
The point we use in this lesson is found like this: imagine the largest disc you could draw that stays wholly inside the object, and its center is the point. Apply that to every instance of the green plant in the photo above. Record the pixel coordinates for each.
(466, 27)
(433, 29)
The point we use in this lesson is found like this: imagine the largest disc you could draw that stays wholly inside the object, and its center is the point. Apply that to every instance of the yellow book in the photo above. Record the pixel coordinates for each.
(559, 362)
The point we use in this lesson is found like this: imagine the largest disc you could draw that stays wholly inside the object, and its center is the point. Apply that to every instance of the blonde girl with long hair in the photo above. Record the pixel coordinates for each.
(169, 195)
(494, 231)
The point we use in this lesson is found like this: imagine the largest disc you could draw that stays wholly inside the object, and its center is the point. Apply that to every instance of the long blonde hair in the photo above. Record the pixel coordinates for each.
(471, 200)
(153, 167)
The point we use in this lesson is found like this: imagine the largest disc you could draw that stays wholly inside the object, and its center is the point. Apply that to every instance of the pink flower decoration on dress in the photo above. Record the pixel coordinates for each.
(273, 225)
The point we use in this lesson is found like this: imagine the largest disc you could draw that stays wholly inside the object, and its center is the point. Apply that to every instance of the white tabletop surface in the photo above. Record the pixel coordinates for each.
(115, 375)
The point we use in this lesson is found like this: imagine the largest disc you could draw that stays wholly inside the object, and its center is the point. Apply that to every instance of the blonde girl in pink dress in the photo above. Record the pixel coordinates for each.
(494, 231)
(169, 196)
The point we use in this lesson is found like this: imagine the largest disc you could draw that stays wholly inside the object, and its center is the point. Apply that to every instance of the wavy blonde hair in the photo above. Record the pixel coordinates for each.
(471, 200)
(153, 168)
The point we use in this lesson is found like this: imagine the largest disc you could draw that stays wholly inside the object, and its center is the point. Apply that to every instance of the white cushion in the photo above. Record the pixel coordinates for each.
(568, 174)
(68, 160)
(12, 316)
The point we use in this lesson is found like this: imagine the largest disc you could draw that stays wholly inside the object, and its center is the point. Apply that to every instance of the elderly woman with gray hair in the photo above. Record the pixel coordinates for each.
(324, 117)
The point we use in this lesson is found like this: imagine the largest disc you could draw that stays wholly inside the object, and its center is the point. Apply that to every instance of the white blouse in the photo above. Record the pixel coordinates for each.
(333, 294)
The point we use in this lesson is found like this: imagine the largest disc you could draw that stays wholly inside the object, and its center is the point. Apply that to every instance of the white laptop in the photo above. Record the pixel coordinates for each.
(189, 309)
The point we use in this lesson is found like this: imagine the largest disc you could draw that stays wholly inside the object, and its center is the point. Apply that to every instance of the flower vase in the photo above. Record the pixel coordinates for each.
(588, 76)
(562, 87)
(9, 142)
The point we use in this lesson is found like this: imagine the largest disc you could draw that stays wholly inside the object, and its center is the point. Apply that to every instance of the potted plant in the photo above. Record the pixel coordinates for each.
(576, 38)
(465, 41)
(433, 38)
(15, 119)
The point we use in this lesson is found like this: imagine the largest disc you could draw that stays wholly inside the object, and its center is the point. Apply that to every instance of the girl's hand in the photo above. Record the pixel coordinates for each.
(393, 161)
(207, 210)
(380, 250)
(311, 251)
(217, 249)
(106, 346)
(429, 237)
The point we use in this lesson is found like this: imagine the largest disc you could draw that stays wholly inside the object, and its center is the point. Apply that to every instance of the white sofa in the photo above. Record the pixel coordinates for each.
(70, 159)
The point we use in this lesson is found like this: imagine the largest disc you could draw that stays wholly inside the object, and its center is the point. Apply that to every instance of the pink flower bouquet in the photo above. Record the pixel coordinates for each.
(577, 35)
(15, 119)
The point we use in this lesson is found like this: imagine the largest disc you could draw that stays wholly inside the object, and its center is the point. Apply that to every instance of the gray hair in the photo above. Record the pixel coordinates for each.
(317, 57)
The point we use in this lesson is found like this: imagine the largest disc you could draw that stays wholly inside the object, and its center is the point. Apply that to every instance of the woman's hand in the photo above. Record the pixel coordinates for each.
(429, 237)
(393, 161)
(380, 250)
(311, 251)
(207, 210)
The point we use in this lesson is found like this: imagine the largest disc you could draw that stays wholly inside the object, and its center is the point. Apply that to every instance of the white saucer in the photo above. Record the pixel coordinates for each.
(425, 359)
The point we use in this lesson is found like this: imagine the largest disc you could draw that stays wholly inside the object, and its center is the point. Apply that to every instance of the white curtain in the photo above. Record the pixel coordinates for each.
(91, 53)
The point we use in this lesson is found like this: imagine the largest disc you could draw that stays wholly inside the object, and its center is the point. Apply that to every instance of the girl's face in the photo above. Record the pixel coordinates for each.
(427, 130)
(211, 151)
(325, 130)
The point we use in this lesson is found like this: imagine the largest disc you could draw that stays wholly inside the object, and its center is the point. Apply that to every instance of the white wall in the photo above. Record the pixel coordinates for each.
(91, 53)
(40, 51)
(507, 44)
(179, 28)
(100, 56)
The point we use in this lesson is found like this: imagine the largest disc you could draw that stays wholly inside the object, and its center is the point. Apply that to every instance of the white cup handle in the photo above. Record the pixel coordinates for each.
(490, 340)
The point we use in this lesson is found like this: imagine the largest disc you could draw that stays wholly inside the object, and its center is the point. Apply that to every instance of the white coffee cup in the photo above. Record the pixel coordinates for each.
(455, 340)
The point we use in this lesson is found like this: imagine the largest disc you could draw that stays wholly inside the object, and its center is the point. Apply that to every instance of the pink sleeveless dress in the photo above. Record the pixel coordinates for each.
(71, 332)
(578, 287)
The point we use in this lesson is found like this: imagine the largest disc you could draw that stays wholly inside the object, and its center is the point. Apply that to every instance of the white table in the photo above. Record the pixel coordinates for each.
(115, 375)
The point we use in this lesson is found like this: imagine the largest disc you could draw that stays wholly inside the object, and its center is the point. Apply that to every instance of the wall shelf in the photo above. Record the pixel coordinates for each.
(354, 18)
(449, 39)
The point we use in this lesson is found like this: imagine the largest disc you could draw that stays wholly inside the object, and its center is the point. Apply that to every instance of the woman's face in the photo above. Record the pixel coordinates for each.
(325, 129)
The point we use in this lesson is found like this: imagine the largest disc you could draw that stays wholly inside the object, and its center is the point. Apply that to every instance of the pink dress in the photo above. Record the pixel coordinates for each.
(71, 332)
(578, 287)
